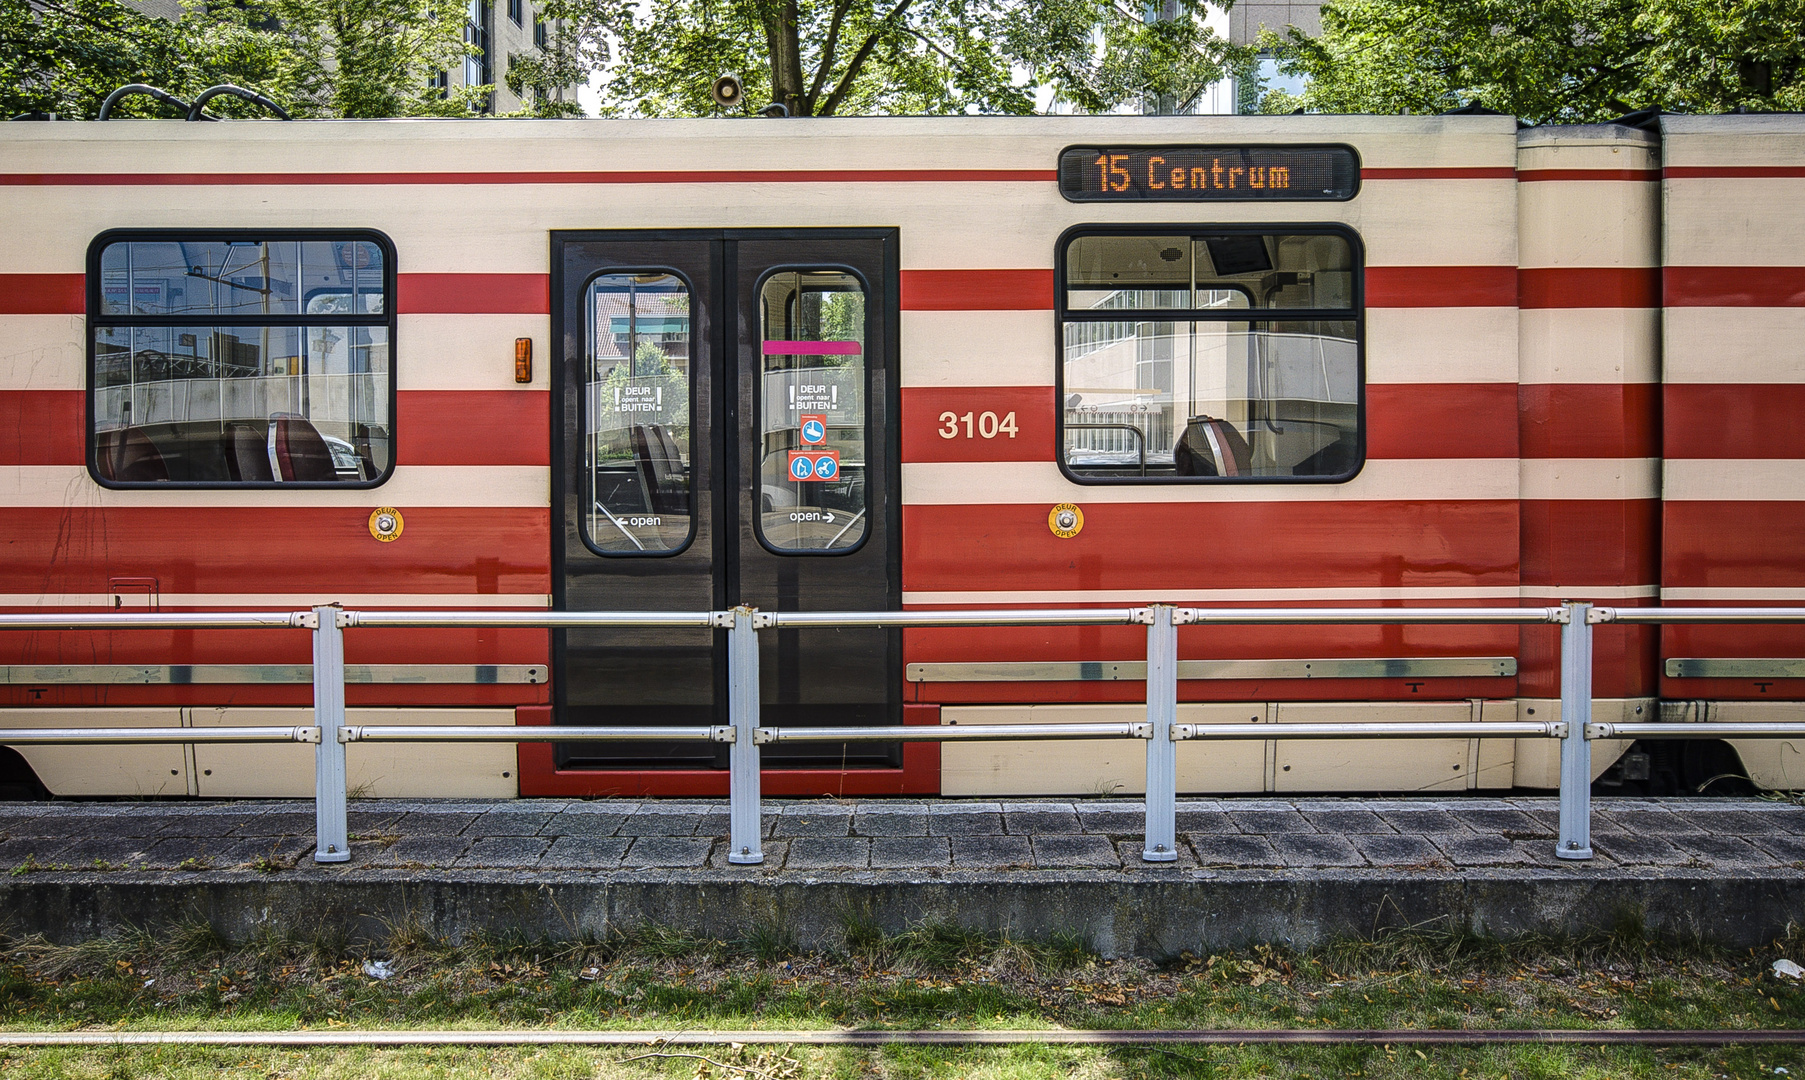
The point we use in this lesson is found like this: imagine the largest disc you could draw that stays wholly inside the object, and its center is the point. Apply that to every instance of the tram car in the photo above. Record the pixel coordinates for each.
(870, 364)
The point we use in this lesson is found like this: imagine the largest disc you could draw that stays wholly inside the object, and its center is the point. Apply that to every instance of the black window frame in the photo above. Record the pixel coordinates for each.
(1354, 313)
(756, 372)
(97, 319)
(586, 482)
(517, 12)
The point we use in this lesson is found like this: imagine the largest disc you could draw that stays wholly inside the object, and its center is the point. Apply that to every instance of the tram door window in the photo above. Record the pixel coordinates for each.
(1226, 355)
(695, 370)
(228, 360)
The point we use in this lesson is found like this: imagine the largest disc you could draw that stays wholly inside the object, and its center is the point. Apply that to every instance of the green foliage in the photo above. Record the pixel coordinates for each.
(1551, 61)
(318, 58)
(836, 57)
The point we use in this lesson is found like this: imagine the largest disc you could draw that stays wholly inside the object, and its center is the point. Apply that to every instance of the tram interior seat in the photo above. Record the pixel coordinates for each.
(661, 469)
(247, 453)
(1211, 447)
(297, 452)
(128, 455)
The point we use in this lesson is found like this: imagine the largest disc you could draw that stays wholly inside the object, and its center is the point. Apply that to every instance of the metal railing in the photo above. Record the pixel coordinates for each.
(744, 736)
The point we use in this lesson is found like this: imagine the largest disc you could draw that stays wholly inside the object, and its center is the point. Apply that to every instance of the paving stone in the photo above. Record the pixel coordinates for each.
(1199, 820)
(201, 853)
(1632, 849)
(1391, 849)
(510, 823)
(965, 806)
(43, 849)
(774, 852)
(1748, 824)
(1498, 820)
(281, 850)
(584, 824)
(112, 850)
(1644, 822)
(816, 823)
(991, 852)
(1271, 822)
(828, 853)
(1232, 850)
(1040, 822)
(1346, 822)
(906, 852)
(1129, 854)
(868, 822)
(504, 852)
(1053, 851)
(1726, 851)
(650, 821)
(586, 852)
(1480, 850)
(76, 825)
(432, 851)
(280, 824)
(1432, 823)
(1112, 820)
(667, 851)
(433, 823)
(1315, 849)
(209, 824)
(603, 807)
(715, 824)
(965, 824)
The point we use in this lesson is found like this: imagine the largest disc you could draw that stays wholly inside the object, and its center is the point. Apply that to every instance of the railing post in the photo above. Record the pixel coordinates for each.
(1162, 753)
(1576, 752)
(332, 841)
(744, 842)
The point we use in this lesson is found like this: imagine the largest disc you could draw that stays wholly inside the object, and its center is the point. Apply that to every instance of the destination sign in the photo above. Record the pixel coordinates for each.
(1208, 173)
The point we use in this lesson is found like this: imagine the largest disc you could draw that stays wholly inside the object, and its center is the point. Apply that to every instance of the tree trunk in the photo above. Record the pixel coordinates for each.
(781, 19)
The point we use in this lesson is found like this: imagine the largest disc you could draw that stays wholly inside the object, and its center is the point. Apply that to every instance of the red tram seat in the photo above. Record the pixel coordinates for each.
(247, 454)
(127, 455)
(297, 454)
(1211, 447)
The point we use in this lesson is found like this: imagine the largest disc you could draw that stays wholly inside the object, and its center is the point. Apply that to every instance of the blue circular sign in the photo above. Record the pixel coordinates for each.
(814, 431)
(826, 467)
(801, 468)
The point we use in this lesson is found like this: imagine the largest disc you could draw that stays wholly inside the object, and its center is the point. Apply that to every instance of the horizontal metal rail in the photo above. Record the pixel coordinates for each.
(1698, 615)
(536, 620)
(140, 736)
(1764, 729)
(765, 736)
(1504, 729)
(158, 620)
(1345, 616)
(430, 733)
(1045, 617)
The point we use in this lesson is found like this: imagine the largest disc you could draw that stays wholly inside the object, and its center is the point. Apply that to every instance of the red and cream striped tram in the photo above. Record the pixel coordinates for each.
(859, 364)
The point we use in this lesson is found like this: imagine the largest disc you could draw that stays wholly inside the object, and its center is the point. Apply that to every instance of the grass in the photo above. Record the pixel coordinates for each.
(186, 976)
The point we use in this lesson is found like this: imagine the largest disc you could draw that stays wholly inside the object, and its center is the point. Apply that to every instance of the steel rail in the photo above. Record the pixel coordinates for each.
(534, 620)
(1368, 616)
(765, 736)
(1044, 617)
(1698, 615)
(157, 620)
(1503, 729)
(1755, 729)
(141, 736)
(474, 733)
(929, 1037)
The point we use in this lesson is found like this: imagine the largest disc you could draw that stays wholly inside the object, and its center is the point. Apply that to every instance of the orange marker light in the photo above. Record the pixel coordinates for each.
(523, 359)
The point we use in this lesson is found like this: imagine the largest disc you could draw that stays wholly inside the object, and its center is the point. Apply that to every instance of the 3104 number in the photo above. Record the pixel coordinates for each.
(985, 425)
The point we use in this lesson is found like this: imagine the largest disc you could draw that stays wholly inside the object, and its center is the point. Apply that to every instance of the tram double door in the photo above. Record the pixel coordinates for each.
(724, 407)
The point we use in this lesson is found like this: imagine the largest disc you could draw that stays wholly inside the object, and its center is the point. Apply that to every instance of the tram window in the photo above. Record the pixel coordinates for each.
(1226, 354)
(222, 361)
(812, 433)
(636, 424)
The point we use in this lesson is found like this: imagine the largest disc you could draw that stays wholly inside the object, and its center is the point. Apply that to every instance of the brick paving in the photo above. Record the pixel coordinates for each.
(907, 837)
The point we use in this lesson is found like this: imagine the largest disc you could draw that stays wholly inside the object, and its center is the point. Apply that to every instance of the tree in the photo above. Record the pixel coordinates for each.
(831, 57)
(352, 58)
(1550, 61)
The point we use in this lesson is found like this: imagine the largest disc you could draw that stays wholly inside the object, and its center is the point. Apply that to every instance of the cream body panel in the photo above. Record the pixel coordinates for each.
(1441, 345)
(1735, 221)
(141, 771)
(1732, 480)
(372, 770)
(1745, 345)
(1772, 764)
(1609, 479)
(1030, 482)
(1539, 760)
(1591, 345)
(43, 352)
(1365, 764)
(1729, 141)
(1096, 767)
(978, 348)
(1603, 147)
(468, 352)
(1589, 223)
